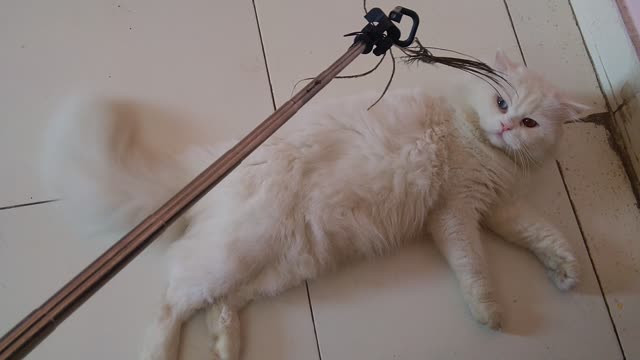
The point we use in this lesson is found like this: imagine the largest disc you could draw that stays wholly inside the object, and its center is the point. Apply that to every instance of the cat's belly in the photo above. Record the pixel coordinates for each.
(357, 195)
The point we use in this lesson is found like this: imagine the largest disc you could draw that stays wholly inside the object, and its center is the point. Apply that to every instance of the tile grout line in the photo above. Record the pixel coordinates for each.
(264, 54)
(273, 102)
(28, 204)
(515, 33)
(593, 266)
(313, 319)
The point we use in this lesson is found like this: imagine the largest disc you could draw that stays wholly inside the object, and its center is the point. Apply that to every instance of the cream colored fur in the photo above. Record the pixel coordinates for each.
(345, 184)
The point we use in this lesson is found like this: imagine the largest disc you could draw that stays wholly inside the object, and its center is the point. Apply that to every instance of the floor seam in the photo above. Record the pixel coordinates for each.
(593, 265)
(27, 204)
(313, 320)
(264, 54)
(515, 33)
(273, 102)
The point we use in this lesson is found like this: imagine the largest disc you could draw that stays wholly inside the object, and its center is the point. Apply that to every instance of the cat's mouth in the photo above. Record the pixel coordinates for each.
(502, 140)
(497, 138)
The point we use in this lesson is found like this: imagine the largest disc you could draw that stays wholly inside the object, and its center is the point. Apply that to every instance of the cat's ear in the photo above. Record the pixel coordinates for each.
(503, 63)
(574, 107)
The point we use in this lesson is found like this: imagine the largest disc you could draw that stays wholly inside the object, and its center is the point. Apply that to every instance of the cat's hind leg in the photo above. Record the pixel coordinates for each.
(223, 324)
(222, 317)
(162, 340)
(210, 272)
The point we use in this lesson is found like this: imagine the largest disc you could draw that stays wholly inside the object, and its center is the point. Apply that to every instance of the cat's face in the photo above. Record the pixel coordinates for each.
(526, 120)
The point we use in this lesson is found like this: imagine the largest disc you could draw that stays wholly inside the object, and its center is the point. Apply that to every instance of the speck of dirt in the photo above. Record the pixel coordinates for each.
(619, 305)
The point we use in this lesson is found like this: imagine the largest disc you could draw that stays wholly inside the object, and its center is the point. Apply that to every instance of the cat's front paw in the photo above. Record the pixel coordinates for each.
(487, 313)
(563, 269)
(564, 275)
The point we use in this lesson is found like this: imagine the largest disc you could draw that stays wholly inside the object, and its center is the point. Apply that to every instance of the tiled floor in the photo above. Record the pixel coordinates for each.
(205, 61)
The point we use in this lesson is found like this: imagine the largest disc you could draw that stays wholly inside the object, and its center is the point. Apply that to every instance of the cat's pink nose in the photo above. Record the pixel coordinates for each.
(505, 128)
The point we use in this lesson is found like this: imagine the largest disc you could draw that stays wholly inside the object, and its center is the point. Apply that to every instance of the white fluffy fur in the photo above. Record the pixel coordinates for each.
(347, 183)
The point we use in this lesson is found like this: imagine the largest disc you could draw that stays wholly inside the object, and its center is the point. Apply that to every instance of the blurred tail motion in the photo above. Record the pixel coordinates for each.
(112, 162)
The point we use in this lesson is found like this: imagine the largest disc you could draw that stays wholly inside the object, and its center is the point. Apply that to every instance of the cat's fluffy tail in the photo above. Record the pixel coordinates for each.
(112, 163)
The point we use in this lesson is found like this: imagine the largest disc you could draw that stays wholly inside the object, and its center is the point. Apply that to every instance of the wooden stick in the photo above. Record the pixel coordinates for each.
(20, 340)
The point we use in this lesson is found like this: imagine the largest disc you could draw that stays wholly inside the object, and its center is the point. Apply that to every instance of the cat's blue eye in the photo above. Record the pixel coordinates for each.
(502, 104)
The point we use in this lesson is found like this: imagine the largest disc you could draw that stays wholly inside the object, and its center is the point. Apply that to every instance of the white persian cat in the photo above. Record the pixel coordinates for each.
(347, 183)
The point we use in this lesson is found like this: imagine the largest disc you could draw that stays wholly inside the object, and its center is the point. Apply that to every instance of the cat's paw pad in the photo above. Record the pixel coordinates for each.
(487, 313)
(563, 270)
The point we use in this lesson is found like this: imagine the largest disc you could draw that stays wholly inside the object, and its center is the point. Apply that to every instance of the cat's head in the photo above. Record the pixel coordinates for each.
(526, 119)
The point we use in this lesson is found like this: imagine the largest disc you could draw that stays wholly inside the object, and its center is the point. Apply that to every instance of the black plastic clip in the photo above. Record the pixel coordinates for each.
(381, 33)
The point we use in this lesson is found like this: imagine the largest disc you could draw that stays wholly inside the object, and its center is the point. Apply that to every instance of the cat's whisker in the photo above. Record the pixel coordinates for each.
(525, 158)
(513, 153)
(529, 158)
(521, 156)
(523, 162)
(517, 162)
(532, 159)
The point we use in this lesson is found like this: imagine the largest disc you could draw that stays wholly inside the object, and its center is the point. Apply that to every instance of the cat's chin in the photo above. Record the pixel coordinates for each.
(498, 141)
(502, 142)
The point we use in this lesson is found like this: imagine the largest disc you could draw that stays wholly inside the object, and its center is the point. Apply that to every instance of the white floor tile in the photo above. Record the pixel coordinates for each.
(38, 255)
(610, 220)
(202, 59)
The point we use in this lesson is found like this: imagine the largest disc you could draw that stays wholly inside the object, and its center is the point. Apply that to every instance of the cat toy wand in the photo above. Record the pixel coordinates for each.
(378, 36)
